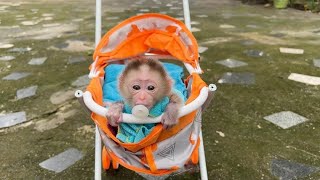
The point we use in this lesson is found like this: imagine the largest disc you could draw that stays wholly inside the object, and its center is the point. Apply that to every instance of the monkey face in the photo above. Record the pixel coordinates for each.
(143, 92)
(144, 87)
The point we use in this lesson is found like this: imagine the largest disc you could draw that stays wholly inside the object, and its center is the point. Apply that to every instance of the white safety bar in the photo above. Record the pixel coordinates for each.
(129, 118)
(97, 162)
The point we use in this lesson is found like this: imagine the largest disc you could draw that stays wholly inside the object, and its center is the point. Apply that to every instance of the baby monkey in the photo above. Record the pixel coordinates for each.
(145, 82)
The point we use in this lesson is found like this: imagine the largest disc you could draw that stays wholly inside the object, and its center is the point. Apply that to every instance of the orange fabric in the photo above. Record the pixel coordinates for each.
(135, 43)
(171, 29)
(115, 165)
(105, 159)
(148, 152)
(135, 30)
(195, 154)
(96, 90)
(140, 43)
(175, 167)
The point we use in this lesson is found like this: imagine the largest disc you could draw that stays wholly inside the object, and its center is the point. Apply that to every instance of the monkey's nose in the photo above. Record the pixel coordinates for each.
(142, 96)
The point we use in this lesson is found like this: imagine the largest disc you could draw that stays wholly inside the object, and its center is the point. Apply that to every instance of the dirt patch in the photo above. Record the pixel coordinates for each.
(46, 124)
(217, 40)
(42, 33)
(302, 33)
(85, 130)
(75, 46)
(263, 39)
(62, 96)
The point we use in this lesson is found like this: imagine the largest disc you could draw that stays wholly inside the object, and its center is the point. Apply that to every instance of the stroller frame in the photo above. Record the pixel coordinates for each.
(204, 99)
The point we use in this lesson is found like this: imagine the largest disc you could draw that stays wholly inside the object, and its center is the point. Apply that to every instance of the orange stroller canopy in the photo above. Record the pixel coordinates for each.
(148, 33)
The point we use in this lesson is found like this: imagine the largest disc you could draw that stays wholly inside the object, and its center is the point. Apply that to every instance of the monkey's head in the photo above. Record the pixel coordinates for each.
(144, 82)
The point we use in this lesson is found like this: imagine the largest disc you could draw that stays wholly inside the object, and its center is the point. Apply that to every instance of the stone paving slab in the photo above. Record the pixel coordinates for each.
(202, 49)
(73, 46)
(144, 10)
(287, 170)
(37, 61)
(291, 51)
(78, 20)
(285, 119)
(237, 78)
(254, 53)
(20, 50)
(62, 96)
(226, 26)
(202, 16)
(5, 46)
(16, 76)
(232, 63)
(81, 81)
(193, 29)
(26, 92)
(7, 58)
(78, 59)
(48, 14)
(29, 23)
(311, 80)
(247, 42)
(181, 19)
(12, 119)
(252, 26)
(175, 8)
(316, 62)
(62, 161)
(112, 18)
(194, 22)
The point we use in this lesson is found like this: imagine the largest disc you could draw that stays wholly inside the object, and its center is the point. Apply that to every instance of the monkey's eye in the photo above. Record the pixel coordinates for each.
(136, 87)
(151, 88)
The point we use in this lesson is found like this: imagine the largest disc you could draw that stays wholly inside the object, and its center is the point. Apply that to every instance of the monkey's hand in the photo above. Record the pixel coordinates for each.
(114, 114)
(170, 116)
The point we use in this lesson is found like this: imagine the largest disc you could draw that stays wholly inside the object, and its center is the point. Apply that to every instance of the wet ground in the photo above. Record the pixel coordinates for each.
(262, 124)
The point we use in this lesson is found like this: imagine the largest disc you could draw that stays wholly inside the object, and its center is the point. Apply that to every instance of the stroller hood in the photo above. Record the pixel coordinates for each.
(148, 33)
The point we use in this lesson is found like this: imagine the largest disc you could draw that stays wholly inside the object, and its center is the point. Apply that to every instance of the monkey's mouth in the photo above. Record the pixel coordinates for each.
(147, 106)
(140, 111)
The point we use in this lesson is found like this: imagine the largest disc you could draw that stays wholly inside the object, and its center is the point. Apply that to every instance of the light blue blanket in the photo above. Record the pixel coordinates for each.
(133, 133)
(110, 86)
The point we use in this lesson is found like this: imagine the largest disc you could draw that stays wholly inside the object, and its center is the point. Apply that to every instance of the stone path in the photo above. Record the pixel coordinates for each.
(264, 121)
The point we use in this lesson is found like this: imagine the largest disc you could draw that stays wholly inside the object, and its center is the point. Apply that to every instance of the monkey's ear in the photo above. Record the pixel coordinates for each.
(120, 84)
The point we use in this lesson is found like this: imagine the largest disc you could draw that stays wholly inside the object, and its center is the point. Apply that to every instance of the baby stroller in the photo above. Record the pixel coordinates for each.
(162, 152)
